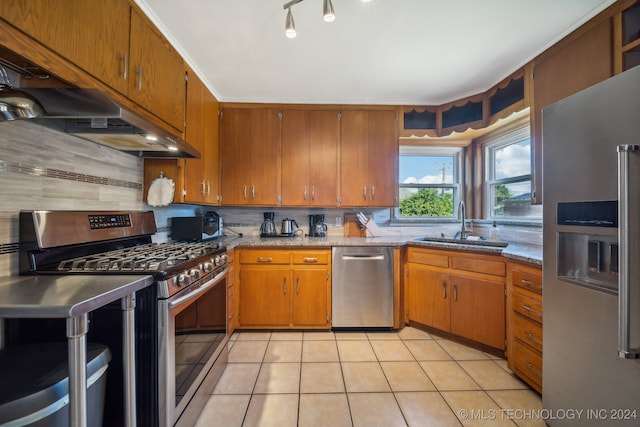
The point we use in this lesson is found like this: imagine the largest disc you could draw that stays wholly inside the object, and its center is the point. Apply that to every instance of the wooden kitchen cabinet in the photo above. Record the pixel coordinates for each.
(284, 289)
(156, 72)
(369, 158)
(249, 151)
(310, 141)
(196, 180)
(459, 293)
(93, 34)
(115, 43)
(524, 322)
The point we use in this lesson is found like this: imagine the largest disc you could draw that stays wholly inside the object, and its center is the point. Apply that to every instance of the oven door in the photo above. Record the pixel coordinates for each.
(192, 336)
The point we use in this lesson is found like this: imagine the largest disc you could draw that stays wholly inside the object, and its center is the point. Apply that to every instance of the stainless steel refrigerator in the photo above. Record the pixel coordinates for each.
(591, 264)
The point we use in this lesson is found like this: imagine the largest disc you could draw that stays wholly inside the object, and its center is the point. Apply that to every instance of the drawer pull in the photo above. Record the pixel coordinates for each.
(532, 337)
(530, 284)
(530, 311)
(532, 369)
(310, 259)
(267, 259)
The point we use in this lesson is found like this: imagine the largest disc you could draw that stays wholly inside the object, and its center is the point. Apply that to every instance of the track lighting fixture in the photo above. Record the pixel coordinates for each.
(327, 12)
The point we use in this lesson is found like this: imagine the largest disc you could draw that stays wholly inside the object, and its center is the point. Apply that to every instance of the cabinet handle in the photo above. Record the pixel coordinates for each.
(305, 192)
(203, 191)
(139, 78)
(444, 290)
(530, 284)
(455, 292)
(313, 192)
(284, 285)
(373, 192)
(268, 259)
(297, 285)
(364, 192)
(532, 337)
(244, 192)
(532, 369)
(309, 259)
(208, 188)
(530, 311)
(124, 60)
(253, 192)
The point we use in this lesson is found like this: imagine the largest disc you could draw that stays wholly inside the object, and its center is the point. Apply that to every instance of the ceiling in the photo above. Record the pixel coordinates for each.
(395, 52)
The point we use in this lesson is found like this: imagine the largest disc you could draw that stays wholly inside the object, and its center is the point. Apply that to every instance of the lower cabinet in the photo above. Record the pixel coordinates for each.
(524, 322)
(283, 289)
(459, 293)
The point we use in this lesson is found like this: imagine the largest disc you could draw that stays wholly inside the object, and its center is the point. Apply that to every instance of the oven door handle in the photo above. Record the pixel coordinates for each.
(203, 288)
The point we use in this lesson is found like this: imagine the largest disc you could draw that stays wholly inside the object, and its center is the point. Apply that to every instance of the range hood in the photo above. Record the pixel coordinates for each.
(86, 113)
(91, 115)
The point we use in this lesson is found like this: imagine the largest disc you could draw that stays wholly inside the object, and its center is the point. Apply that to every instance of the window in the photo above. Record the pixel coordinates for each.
(508, 177)
(429, 182)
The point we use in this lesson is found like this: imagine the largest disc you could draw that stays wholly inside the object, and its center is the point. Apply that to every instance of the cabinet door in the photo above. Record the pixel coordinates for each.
(201, 175)
(354, 159)
(264, 154)
(383, 158)
(264, 295)
(295, 158)
(324, 139)
(311, 297)
(93, 34)
(234, 156)
(156, 73)
(478, 310)
(428, 299)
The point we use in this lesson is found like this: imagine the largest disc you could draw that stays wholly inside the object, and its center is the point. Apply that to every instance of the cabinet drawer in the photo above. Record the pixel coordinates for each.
(427, 258)
(311, 257)
(262, 256)
(527, 307)
(528, 363)
(526, 280)
(496, 268)
(528, 331)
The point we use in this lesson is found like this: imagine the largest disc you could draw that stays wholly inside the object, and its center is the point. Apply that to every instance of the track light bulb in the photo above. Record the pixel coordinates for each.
(329, 15)
(290, 26)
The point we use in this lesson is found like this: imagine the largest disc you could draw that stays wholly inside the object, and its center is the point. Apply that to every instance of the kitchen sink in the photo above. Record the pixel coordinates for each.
(476, 242)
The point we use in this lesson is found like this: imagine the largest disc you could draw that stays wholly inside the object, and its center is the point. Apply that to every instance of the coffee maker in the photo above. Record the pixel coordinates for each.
(317, 227)
(268, 227)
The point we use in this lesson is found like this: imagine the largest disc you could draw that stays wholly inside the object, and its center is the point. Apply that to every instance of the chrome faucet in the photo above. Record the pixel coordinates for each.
(461, 214)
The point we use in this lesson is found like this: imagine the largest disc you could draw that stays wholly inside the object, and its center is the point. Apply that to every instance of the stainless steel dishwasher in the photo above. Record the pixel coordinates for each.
(362, 286)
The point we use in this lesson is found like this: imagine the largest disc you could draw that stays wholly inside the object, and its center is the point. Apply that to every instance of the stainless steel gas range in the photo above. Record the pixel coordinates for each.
(180, 322)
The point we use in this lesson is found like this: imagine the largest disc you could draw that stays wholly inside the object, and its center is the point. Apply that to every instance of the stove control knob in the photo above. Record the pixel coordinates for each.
(207, 267)
(183, 280)
(194, 273)
(217, 260)
(225, 258)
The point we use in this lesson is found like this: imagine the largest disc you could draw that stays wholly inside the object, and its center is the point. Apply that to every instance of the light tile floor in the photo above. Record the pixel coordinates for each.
(405, 378)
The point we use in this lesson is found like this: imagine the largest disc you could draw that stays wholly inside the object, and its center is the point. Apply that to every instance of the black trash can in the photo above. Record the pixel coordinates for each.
(34, 384)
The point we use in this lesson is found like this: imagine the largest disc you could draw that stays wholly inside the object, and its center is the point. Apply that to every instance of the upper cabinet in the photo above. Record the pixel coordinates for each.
(112, 41)
(630, 33)
(369, 158)
(156, 73)
(249, 151)
(309, 147)
(93, 34)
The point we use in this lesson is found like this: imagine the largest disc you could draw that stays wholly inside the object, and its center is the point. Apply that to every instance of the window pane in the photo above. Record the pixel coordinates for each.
(426, 202)
(513, 200)
(426, 169)
(512, 160)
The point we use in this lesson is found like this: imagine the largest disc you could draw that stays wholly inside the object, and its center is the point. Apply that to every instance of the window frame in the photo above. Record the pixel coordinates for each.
(489, 148)
(457, 186)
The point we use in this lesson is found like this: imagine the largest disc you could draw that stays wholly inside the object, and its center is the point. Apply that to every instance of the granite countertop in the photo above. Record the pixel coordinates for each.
(71, 295)
(522, 252)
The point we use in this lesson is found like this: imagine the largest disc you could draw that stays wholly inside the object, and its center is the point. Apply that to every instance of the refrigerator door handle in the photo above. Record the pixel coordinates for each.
(629, 273)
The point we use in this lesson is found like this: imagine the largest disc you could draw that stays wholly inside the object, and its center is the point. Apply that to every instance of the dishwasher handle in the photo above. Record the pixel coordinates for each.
(363, 257)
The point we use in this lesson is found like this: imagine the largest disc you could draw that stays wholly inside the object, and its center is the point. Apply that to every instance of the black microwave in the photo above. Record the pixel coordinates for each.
(196, 228)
